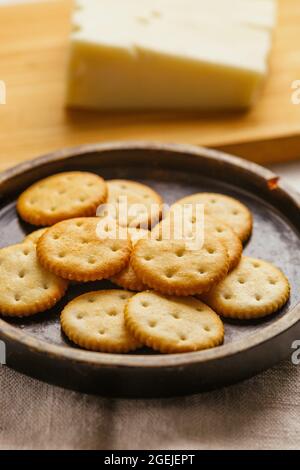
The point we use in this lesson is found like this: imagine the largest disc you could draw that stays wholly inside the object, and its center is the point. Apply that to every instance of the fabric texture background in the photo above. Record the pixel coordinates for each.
(261, 413)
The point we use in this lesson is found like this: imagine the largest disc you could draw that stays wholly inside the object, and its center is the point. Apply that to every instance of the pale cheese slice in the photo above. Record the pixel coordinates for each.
(122, 57)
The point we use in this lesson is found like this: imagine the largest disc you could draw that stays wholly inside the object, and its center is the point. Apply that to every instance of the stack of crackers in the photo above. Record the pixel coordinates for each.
(174, 291)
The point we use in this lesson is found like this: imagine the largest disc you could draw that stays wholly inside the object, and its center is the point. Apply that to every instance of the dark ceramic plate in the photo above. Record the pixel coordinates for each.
(37, 347)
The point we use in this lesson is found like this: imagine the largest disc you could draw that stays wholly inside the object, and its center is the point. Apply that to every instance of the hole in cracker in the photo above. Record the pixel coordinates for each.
(273, 282)
(79, 224)
(199, 309)
(123, 186)
(145, 304)
(91, 300)
(82, 199)
(206, 328)
(55, 236)
(258, 297)
(22, 274)
(17, 297)
(90, 184)
(201, 271)
(180, 253)
(235, 212)
(112, 313)
(45, 286)
(26, 252)
(146, 196)
(176, 316)
(79, 316)
(62, 254)
(227, 296)
(182, 337)
(148, 258)
(101, 331)
(210, 251)
(53, 208)
(170, 273)
(123, 296)
(256, 264)
(241, 280)
(152, 323)
(84, 241)
(92, 260)
(213, 201)
(219, 230)
(114, 248)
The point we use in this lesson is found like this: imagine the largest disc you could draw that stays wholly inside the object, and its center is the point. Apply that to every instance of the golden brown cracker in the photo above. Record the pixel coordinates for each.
(26, 288)
(133, 204)
(95, 321)
(74, 250)
(173, 324)
(254, 289)
(226, 209)
(62, 196)
(173, 268)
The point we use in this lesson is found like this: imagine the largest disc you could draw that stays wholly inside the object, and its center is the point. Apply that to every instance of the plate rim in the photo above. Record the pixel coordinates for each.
(253, 340)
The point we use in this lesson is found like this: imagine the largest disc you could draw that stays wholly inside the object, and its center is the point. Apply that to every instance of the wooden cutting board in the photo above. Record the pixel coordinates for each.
(33, 56)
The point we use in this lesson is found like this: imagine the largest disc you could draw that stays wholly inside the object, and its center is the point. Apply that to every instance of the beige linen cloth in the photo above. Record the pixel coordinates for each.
(261, 413)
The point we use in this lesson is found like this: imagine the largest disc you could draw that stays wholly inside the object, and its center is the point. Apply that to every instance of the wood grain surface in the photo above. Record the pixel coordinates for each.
(33, 57)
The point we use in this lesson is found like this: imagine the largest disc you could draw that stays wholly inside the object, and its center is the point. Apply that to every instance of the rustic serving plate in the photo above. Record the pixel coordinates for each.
(37, 347)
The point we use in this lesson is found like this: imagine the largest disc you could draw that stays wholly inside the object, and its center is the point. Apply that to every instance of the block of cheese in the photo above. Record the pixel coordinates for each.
(254, 13)
(168, 54)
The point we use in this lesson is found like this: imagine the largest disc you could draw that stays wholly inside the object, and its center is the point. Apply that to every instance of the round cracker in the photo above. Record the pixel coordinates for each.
(26, 288)
(212, 228)
(254, 289)
(127, 278)
(173, 324)
(62, 196)
(226, 209)
(74, 250)
(173, 268)
(35, 236)
(95, 321)
(227, 236)
(143, 205)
